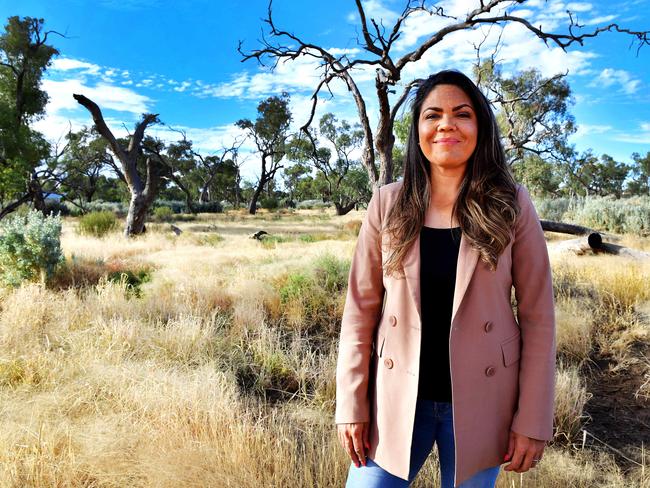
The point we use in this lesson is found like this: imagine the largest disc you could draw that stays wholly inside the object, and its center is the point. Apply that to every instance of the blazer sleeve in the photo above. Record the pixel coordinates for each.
(361, 314)
(531, 272)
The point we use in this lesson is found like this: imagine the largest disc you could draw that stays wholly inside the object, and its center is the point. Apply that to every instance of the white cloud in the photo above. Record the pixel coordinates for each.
(579, 7)
(588, 129)
(69, 64)
(106, 96)
(373, 9)
(641, 136)
(610, 77)
(599, 20)
(183, 86)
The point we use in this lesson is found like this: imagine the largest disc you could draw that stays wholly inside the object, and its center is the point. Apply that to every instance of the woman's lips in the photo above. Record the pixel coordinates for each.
(446, 141)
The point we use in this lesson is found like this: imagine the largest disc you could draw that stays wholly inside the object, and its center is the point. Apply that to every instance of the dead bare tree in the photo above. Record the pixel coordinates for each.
(143, 189)
(377, 41)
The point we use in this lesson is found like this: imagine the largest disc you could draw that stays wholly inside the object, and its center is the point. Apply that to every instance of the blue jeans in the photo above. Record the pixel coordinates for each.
(433, 424)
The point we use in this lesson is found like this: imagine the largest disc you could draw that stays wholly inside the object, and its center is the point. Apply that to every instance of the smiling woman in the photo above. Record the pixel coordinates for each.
(447, 127)
(430, 351)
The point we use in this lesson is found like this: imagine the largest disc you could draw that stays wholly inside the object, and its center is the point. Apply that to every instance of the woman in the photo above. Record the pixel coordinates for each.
(430, 350)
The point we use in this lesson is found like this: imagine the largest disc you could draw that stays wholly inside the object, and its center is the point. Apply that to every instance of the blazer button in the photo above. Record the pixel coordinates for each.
(388, 363)
(392, 320)
(488, 326)
(490, 371)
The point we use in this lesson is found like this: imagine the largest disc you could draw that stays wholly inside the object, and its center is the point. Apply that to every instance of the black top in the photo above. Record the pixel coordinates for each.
(438, 258)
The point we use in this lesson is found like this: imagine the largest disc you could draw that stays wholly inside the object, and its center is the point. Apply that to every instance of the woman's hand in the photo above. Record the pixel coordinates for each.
(523, 452)
(354, 439)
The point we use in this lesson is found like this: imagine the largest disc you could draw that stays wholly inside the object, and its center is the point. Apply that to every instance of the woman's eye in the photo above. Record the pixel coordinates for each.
(464, 114)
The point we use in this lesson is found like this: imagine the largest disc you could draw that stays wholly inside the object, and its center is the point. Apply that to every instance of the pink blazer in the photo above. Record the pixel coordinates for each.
(502, 367)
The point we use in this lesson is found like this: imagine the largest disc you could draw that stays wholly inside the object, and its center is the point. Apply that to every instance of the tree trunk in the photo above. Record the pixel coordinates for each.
(367, 152)
(141, 201)
(137, 215)
(13, 206)
(253, 206)
(36, 192)
(552, 226)
(204, 196)
(344, 209)
(384, 138)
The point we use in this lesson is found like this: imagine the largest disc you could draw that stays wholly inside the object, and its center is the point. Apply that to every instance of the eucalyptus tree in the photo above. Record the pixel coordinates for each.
(24, 56)
(269, 133)
(639, 183)
(143, 183)
(589, 175)
(83, 164)
(335, 163)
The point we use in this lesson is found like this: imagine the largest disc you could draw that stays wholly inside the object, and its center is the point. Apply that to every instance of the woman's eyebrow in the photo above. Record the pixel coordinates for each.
(438, 109)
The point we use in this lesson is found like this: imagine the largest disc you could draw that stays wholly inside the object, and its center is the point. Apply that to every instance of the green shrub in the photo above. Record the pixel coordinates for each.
(311, 204)
(270, 241)
(53, 207)
(131, 280)
(295, 287)
(163, 214)
(209, 239)
(624, 215)
(307, 238)
(97, 224)
(30, 248)
(209, 207)
(552, 209)
(331, 273)
(120, 209)
(312, 298)
(269, 203)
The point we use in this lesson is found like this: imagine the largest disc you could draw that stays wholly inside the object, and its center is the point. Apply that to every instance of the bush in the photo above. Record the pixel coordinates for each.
(312, 298)
(624, 215)
(269, 203)
(54, 207)
(311, 204)
(552, 209)
(178, 206)
(30, 248)
(132, 281)
(208, 207)
(120, 209)
(163, 214)
(97, 224)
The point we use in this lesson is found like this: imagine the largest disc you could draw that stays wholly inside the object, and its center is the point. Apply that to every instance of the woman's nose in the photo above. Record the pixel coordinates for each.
(445, 123)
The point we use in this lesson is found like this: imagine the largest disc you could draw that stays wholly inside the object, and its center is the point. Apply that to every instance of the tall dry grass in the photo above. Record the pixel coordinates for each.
(220, 370)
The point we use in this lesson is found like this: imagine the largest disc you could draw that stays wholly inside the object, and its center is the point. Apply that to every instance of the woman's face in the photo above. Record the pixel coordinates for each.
(447, 127)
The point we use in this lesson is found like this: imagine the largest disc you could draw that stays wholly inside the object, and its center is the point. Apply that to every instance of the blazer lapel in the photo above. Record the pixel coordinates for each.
(411, 265)
(467, 259)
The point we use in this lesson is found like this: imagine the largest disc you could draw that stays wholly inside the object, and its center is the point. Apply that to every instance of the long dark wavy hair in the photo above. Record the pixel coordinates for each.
(486, 206)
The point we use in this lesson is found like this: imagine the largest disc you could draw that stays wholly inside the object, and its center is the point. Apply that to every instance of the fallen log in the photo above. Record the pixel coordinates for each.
(590, 241)
(594, 239)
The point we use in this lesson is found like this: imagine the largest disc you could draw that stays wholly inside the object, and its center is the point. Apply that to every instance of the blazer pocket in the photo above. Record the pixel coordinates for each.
(511, 349)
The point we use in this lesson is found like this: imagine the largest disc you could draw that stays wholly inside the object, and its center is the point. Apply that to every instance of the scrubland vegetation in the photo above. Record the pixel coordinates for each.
(208, 359)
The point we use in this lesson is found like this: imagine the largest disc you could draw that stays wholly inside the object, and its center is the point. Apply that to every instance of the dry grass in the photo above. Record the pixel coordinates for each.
(220, 371)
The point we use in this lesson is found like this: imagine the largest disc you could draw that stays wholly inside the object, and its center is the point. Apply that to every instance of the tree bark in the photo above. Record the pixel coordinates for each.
(344, 209)
(260, 187)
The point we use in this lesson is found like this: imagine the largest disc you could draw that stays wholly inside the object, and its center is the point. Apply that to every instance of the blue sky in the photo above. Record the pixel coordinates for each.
(180, 59)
